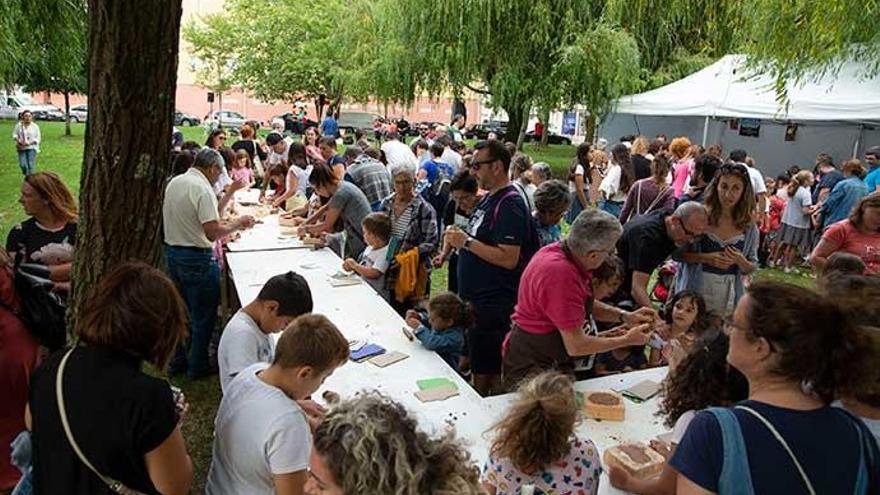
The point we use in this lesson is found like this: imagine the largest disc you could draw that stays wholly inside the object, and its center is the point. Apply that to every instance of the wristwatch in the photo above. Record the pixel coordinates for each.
(467, 243)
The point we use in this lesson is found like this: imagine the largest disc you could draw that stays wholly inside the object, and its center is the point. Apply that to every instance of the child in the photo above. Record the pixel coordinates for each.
(769, 228)
(536, 445)
(686, 319)
(442, 330)
(242, 168)
(262, 435)
(246, 339)
(702, 379)
(606, 279)
(605, 282)
(277, 179)
(374, 260)
(795, 233)
(843, 264)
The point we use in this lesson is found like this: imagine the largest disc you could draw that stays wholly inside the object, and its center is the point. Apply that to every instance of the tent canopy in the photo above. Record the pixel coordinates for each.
(728, 89)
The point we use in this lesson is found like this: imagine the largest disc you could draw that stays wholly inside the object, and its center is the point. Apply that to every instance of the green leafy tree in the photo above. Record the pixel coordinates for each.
(802, 39)
(213, 41)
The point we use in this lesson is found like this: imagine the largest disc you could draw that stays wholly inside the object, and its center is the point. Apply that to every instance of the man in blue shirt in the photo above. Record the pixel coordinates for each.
(329, 127)
(497, 245)
(872, 158)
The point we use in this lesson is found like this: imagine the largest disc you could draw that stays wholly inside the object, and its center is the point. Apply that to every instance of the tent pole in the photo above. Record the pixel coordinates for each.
(855, 152)
(705, 130)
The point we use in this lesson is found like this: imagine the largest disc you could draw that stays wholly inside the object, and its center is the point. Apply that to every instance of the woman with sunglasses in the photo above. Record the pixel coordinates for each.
(799, 352)
(216, 141)
(714, 263)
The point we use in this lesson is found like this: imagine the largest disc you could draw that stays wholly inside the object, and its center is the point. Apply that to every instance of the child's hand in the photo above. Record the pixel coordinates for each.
(618, 477)
(349, 264)
(437, 261)
(413, 322)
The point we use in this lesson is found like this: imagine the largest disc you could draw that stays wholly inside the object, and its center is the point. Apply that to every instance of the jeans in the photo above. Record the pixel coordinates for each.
(612, 207)
(27, 161)
(21, 457)
(196, 274)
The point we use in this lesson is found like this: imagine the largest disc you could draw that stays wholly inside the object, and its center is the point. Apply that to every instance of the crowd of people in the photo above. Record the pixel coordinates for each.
(764, 379)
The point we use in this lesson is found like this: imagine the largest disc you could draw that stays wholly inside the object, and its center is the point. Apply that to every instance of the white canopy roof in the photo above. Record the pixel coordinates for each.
(727, 89)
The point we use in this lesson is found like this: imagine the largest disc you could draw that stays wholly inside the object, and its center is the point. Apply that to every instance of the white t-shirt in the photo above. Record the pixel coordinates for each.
(259, 432)
(610, 185)
(376, 258)
(242, 344)
(451, 158)
(398, 154)
(578, 170)
(758, 185)
(275, 158)
(222, 181)
(681, 426)
(189, 202)
(794, 214)
(301, 176)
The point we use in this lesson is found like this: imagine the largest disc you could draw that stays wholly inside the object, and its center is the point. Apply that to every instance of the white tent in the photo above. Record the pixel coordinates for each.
(833, 112)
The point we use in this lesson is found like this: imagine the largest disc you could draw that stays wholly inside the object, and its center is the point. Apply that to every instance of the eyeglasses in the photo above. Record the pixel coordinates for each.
(686, 230)
(477, 165)
(728, 325)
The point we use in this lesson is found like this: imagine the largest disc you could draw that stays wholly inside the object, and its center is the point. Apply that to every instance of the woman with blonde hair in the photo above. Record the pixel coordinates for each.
(536, 446)
(641, 157)
(371, 445)
(48, 237)
(683, 164)
(795, 233)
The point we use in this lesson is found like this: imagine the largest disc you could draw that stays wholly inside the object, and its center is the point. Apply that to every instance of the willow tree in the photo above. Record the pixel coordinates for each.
(798, 39)
(510, 51)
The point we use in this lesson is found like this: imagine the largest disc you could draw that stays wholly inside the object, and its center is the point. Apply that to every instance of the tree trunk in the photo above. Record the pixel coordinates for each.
(220, 115)
(320, 101)
(67, 113)
(514, 124)
(132, 79)
(591, 128)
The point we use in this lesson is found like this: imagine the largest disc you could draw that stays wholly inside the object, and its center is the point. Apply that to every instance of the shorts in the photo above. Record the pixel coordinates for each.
(486, 337)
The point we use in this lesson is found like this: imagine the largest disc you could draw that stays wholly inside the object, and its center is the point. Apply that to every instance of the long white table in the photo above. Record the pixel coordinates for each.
(360, 313)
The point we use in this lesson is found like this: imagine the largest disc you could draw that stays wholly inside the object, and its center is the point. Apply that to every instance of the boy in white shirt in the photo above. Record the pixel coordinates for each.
(262, 437)
(374, 260)
(247, 340)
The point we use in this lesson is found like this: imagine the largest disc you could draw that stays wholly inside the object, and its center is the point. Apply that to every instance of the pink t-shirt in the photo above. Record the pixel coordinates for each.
(843, 236)
(680, 172)
(244, 174)
(552, 294)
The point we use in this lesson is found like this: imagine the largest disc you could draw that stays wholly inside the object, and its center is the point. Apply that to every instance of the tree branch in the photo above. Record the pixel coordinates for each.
(476, 90)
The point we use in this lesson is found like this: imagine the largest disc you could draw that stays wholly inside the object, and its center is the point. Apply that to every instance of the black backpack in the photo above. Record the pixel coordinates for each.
(42, 310)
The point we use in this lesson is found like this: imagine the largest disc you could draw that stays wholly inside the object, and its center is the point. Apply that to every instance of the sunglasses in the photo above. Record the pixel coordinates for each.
(477, 165)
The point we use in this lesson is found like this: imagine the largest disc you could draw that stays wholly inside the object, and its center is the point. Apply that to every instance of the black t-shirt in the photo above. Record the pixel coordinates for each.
(251, 149)
(641, 166)
(828, 181)
(643, 246)
(507, 223)
(28, 242)
(116, 413)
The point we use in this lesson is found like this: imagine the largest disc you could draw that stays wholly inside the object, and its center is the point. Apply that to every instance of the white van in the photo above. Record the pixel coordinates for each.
(12, 104)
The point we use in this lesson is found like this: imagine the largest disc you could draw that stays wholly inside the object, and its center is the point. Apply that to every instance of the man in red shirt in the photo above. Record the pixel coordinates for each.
(552, 319)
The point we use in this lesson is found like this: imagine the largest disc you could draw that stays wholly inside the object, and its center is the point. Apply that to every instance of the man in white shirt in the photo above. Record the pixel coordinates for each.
(279, 149)
(191, 223)
(762, 206)
(247, 340)
(449, 156)
(399, 154)
(262, 436)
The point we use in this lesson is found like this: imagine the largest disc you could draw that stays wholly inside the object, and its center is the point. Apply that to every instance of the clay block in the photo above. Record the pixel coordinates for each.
(636, 458)
(606, 405)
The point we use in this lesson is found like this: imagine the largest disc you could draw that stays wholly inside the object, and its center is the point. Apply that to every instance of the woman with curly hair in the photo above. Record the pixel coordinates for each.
(370, 445)
(703, 379)
(535, 444)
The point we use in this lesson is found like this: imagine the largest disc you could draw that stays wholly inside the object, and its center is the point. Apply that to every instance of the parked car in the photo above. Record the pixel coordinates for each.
(228, 119)
(351, 121)
(186, 119)
(481, 131)
(294, 125)
(79, 113)
(552, 138)
(12, 104)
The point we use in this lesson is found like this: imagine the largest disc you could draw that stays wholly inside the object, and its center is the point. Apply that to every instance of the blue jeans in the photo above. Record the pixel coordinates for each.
(21, 457)
(27, 161)
(612, 207)
(196, 274)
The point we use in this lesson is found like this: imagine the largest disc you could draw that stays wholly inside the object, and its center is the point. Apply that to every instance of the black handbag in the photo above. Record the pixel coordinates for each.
(42, 310)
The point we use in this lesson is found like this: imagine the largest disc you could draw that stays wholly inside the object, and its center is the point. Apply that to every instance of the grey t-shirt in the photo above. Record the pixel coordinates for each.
(794, 214)
(242, 344)
(353, 207)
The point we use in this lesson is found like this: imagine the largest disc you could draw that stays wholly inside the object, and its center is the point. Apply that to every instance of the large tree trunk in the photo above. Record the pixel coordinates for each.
(66, 113)
(132, 78)
(514, 125)
(545, 122)
(590, 133)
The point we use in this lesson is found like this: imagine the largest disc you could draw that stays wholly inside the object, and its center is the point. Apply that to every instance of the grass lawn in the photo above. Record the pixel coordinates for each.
(63, 155)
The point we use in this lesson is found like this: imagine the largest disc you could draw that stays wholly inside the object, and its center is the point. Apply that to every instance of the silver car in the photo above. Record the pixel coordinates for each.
(227, 118)
(79, 113)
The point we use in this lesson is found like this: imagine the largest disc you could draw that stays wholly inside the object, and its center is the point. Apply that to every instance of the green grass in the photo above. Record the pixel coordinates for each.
(63, 155)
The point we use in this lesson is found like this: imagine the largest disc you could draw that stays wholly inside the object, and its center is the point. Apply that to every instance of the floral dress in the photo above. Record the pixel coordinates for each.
(576, 474)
